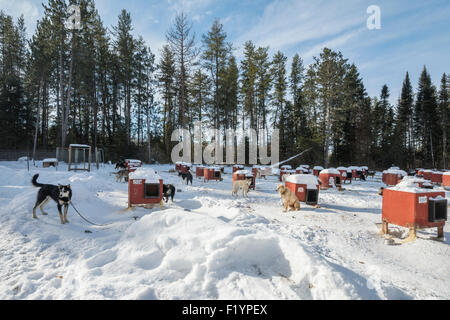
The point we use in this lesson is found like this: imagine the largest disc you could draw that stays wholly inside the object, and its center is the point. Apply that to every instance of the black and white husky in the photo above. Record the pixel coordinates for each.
(62, 195)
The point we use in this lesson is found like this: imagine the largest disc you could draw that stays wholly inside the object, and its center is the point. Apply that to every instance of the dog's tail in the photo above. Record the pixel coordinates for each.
(35, 183)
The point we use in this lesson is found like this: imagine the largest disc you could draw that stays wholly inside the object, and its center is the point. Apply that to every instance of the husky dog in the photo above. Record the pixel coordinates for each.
(122, 174)
(121, 165)
(168, 192)
(241, 184)
(290, 200)
(188, 177)
(62, 195)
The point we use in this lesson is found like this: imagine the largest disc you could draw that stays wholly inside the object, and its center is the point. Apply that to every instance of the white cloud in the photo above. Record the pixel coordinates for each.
(30, 10)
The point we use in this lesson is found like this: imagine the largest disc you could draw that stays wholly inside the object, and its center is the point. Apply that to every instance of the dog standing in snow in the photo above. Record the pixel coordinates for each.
(122, 174)
(188, 177)
(62, 195)
(168, 192)
(290, 200)
(241, 184)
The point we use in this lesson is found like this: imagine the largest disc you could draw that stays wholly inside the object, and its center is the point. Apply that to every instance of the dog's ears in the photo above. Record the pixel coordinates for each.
(68, 186)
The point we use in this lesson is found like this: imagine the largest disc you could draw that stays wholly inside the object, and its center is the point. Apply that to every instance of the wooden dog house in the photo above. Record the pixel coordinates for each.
(317, 170)
(329, 178)
(436, 177)
(199, 171)
(47, 163)
(185, 167)
(427, 174)
(212, 174)
(393, 176)
(446, 180)
(145, 188)
(305, 187)
(411, 207)
(133, 164)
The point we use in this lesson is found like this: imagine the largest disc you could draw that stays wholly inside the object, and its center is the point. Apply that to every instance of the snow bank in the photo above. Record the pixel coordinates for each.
(179, 255)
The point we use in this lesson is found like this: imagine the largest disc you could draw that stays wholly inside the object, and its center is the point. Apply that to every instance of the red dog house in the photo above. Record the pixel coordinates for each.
(132, 164)
(329, 178)
(446, 180)
(301, 170)
(178, 166)
(317, 170)
(212, 174)
(393, 176)
(145, 188)
(436, 177)
(427, 174)
(408, 206)
(237, 167)
(305, 187)
(199, 171)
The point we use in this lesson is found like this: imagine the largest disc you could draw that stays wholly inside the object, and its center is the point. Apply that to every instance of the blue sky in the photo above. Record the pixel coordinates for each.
(413, 33)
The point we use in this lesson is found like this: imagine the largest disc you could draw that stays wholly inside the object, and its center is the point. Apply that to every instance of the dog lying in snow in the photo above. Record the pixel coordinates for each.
(62, 195)
(241, 184)
(168, 192)
(290, 200)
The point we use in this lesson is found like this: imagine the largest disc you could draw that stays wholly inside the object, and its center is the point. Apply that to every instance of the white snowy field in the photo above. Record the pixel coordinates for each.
(208, 245)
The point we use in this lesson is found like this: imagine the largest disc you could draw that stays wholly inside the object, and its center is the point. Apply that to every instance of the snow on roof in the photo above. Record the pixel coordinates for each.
(330, 171)
(355, 168)
(428, 171)
(396, 171)
(242, 172)
(318, 168)
(305, 166)
(147, 174)
(446, 174)
(342, 169)
(50, 160)
(308, 179)
(79, 146)
(286, 167)
(365, 168)
(437, 172)
(409, 184)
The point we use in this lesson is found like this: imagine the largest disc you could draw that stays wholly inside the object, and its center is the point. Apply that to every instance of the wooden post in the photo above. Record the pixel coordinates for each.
(89, 158)
(385, 227)
(70, 158)
(440, 232)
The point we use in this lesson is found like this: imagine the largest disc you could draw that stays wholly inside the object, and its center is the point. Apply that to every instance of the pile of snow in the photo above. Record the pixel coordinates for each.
(304, 179)
(318, 168)
(410, 184)
(286, 167)
(342, 169)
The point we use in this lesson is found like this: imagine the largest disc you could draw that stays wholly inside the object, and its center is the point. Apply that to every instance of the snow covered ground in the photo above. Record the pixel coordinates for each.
(208, 245)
